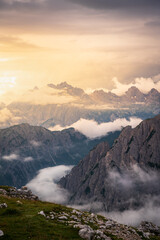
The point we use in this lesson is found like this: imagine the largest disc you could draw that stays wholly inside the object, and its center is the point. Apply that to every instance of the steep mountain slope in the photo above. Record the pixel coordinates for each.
(123, 177)
(25, 149)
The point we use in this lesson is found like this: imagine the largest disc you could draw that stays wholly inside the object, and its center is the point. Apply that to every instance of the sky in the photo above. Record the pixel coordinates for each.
(87, 43)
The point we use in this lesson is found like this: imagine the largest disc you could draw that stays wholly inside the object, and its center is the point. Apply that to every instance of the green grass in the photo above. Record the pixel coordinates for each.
(21, 221)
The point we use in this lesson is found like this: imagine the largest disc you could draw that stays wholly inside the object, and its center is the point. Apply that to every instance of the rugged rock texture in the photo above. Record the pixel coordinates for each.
(25, 149)
(12, 192)
(123, 177)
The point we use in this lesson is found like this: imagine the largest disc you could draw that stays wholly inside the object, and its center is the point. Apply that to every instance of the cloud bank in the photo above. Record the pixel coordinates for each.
(45, 186)
(18, 157)
(28, 159)
(143, 206)
(91, 129)
(11, 157)
(143, 84)
(150, 212)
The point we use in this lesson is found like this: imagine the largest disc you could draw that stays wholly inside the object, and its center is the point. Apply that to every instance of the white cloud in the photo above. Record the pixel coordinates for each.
(145, 176)
(120, 88)
(5, 115)
(124, 180)
(92, 129)
(44, 184)
(15, 156)
(146, 84)
(28, 159)
(131, 179)
(150, 212)
(35, 143)
(6, 82)
(11, 157)
(143, 84)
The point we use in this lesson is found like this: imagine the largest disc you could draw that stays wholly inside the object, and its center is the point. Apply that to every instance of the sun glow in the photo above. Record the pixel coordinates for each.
(4, 59)
(6, 82)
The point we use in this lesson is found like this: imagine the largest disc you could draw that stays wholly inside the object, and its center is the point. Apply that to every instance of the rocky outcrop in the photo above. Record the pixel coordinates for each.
(3, 205)
(1, 233)
(55, 220)
(92, 226)
(149, 229)
(22, 193)
(123, 177)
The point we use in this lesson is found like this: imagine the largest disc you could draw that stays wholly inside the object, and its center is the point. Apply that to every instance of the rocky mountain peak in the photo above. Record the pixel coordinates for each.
(153, 91)
(135, 94)
(153, 96)
(122, 177)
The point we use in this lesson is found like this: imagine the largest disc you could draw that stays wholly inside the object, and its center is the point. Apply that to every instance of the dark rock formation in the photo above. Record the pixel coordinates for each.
(123, 177)
(25, 149)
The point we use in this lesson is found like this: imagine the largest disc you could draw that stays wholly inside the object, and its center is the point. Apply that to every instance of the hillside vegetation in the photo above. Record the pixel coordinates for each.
(22, 219)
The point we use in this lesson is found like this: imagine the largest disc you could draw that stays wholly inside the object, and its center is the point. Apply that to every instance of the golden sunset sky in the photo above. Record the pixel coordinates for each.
(84, 42)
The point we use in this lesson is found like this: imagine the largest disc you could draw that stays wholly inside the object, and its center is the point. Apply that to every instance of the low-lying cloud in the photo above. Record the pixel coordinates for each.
(92, 129)
(45, 186)
(35, 143)
(28, 159)
(17, 157)
(11, 157)
(7, 116)
(129, 178)
(150, 212)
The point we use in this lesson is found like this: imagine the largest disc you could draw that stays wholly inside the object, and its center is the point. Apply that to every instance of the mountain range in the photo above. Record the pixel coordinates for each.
(123, 177)
(64, 105)
(25, 149)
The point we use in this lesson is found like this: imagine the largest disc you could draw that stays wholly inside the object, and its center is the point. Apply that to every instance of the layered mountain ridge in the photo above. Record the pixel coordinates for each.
(25, 149)
(124, 177)
(64, 105)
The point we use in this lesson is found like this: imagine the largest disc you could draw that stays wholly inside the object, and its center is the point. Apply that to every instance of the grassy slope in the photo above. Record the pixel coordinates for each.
(21, 221)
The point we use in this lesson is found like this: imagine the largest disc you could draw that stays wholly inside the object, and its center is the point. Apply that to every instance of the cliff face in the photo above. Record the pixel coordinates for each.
(25, 149)
(123, 177)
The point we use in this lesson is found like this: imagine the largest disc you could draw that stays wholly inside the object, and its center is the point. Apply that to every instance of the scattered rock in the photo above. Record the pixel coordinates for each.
(23, 193)
(3, 205)
(102, 228)
(149, 229)
(63, 218)
(86, 232)
(1, 233)
(3, 192)
(42, 213)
